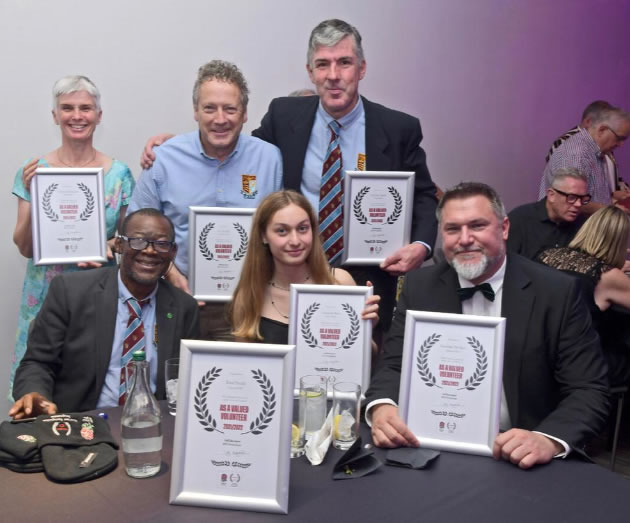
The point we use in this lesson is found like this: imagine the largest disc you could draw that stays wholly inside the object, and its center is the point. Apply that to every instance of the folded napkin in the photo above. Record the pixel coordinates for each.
(318, 444)
(356, 462)
(412, 458)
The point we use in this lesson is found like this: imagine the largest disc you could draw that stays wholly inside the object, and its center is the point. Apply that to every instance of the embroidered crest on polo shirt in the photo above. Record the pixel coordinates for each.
(248, 186)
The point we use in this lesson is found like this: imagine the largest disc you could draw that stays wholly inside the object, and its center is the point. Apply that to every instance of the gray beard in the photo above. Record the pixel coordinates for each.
(471, 271)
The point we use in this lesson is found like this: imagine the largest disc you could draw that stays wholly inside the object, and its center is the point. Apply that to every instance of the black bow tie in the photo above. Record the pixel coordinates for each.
(465, 293)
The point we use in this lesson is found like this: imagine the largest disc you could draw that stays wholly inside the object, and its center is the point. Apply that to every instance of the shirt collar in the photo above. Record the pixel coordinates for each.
(495, 281)
(346, 120)
(124, 295)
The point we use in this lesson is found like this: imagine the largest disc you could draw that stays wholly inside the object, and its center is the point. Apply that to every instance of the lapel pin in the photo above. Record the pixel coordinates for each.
(169, 315)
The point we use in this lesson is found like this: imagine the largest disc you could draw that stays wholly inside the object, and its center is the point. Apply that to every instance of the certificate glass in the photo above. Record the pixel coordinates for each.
(68, 215)
(217, 243)
(378, 207)
(232, 443)
(330, 337)
(451, 380)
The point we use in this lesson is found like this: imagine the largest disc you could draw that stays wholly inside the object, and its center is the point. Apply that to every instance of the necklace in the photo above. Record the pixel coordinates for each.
(276, 286)
(82, 165)
(273, 303)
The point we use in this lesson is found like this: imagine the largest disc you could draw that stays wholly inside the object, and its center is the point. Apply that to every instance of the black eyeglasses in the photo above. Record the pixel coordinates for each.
(572, 198)
(619, 137)
(139, 244)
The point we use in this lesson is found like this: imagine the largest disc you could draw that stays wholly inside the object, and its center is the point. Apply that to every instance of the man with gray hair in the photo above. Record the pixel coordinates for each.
(587, 151)
(213, 166)
(321, 137)
(552, 221)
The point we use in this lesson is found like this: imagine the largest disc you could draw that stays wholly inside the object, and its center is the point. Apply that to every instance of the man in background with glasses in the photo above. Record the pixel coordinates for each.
(552, 221)
(589, 150)
(91, 323)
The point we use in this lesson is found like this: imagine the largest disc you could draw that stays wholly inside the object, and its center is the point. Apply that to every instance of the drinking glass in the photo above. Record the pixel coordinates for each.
(345, 421)
(171, 373)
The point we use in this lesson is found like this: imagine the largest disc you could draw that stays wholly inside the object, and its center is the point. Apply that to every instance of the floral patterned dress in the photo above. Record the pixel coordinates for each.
(118, 184)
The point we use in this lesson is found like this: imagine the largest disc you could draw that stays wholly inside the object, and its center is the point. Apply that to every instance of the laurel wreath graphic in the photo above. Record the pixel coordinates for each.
(205, 418)
(422, 360)
(354, 326)
(356, 205)
(269, 404)
(203, 242)
(48, 211)
(244, 241)
(305, 326)
(89, 202)
(208, 254)
(482, 365)
(398, 205)
(312, 341)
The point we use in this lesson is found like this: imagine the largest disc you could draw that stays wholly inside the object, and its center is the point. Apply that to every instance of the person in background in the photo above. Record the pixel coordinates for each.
(552, 221)
(77, 111)
(589, 150)
(284, 248)
(596, 256)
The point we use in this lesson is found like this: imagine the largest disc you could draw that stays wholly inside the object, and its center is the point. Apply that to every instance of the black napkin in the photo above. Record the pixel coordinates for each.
(412, 458)
(356, 462)
(75, 447)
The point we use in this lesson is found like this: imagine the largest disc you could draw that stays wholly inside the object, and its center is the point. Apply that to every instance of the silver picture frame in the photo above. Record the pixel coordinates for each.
(330, 337)
(214, 272)
(377, 215)
(68, 215)
(232, 445)
(451, 380)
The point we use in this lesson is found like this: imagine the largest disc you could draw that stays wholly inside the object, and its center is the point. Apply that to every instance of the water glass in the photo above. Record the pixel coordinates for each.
(345, 421)
(171, 373)
(312, 403)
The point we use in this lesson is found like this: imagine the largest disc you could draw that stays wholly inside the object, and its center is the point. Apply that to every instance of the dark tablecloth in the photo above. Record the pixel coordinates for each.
(456, 487)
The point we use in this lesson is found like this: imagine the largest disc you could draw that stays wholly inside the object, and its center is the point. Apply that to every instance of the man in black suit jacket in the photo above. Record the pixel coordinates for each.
(554, 375)
(390, 142)
(69, 351)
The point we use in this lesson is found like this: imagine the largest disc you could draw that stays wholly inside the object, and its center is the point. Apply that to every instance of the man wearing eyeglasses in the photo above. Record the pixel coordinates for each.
(587, 151)
(552, 221)
(91, 322)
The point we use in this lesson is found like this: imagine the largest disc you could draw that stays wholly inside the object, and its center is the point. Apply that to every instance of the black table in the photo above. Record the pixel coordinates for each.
(457, 488)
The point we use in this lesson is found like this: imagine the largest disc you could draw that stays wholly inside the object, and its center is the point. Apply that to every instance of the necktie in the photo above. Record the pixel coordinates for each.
(331, 198)
(134, 341)
(465, 293)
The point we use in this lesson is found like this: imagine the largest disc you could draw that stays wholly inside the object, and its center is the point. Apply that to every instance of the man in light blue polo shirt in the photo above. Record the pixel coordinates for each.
(215, 166)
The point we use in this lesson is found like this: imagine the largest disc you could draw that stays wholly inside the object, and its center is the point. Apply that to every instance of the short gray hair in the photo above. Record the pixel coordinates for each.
(224, 72)
(565, 172)
(608, 115)
(468, 190)
(72, 84)
(329, 33)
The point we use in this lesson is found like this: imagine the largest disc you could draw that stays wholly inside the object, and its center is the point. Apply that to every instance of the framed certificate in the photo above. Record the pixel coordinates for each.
(451, 380)
(68, 215)
(217, 243)
(232, 443)
(378, 208)
(330, 337)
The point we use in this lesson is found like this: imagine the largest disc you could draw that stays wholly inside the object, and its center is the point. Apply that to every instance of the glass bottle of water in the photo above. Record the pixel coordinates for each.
(141, 426)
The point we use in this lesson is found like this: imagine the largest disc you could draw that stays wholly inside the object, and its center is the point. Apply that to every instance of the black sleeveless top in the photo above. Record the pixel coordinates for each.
(274, 331)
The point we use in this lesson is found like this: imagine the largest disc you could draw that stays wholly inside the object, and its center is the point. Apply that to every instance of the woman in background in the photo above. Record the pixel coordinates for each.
(284, 248)
(596, 256)
(77, 112)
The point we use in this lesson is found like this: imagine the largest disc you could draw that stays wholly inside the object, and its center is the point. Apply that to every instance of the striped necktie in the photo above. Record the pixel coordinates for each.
(331, 198)
(134, 341)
